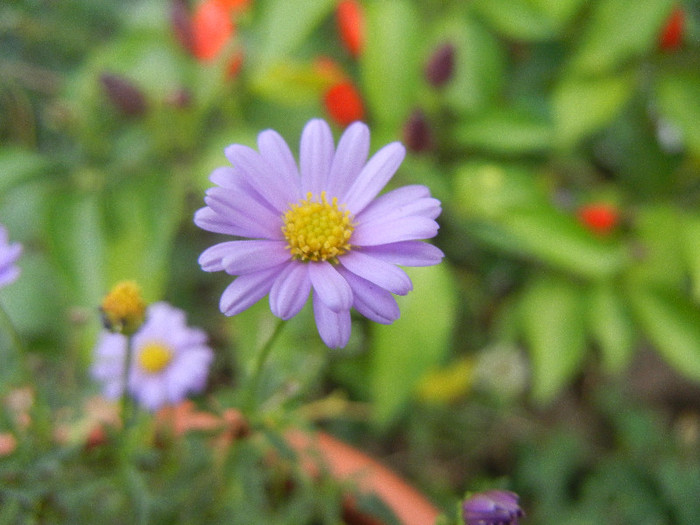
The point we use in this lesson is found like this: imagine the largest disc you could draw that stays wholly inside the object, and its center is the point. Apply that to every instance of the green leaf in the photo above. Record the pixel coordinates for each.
(610, 325)
(479, 63)
(556, 239)
(583, 105)
(678, 96)
(389, 65)
(76, 245)
(672, 323)
(553, 327)
(491, 191)
(403, 352)
(660, 246)
(285, 25)
(19, 165)
(517, 19)
(506, 132)
(617, 31)
(690, 233)
(141, 219)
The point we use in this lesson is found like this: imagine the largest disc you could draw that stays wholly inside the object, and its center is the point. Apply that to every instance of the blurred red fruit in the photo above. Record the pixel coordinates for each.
(672, 33)
(351, 26)
(344, 104)
(234, 6)
(600, 218)
(212, 28)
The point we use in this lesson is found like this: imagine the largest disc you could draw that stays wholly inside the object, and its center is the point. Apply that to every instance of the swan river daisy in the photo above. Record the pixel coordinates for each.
(319, 226)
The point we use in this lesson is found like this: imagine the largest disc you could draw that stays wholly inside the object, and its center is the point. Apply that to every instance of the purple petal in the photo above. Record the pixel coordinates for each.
(245, 214)
(254, 255)
(370, 300)
(290, 290)
(211, 259)
(333, 327)
(401, 202)
(406, 253)
(330, 286)
(226, 177)
(277, 153)
(373, 177)
(350, 157)
(261, 176)
(404, 229)
(386, 275)
(209, 220)
(246, 290)
(315, 156)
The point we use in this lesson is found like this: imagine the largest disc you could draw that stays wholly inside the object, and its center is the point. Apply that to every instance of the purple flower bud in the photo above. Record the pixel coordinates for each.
(417, 135)
(440, 66)
(125, 96)
(181, 23)
(493, 507)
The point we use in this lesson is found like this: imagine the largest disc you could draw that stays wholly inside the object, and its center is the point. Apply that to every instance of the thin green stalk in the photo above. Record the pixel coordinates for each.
(7, 326)
(126, 404)
(260, 359)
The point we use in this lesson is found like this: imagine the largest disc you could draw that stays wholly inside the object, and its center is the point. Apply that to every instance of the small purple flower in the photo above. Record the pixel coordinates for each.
(169, 360)
(493, 507)
(318, 227)
(9, 253)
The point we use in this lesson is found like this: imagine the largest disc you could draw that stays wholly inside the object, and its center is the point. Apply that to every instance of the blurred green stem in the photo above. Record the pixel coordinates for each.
(126, 405)
(261, 358)
(16, 343)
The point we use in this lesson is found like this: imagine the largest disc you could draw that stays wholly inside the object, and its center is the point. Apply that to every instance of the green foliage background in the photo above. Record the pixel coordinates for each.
(539, 356)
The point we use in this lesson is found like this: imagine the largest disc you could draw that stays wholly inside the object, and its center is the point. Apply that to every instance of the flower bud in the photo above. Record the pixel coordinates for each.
(417, 135)
(125, 96)
(351, 26)
(181, 24)
(123, 308)
(440, 66)
(671, 35)
(600, 218)
(343, 103)
(492, 507)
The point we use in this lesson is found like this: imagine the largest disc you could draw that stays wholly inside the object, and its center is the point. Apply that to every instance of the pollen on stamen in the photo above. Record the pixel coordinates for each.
(317, 230)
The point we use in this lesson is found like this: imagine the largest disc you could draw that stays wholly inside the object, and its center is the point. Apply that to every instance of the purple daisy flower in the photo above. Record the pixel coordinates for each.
(320, 226)
(169, 361)
(9, 253)
(492, 507)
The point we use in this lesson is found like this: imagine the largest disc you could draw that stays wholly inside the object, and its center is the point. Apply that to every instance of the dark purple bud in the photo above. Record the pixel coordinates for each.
(125, 96)
(440, 65)
(417, 135)
(493, 507)
(181, 23)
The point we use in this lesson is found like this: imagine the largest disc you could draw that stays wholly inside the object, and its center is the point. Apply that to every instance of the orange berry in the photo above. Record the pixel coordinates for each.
(351, 26)
(672, 33)
(344, 104)
(212, 28)
(600, 218)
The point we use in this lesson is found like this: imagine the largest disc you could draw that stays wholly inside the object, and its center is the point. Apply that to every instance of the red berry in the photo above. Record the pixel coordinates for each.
(344, 104)
(212, 28)
(351, 26)
(672, 33)
(600, 218)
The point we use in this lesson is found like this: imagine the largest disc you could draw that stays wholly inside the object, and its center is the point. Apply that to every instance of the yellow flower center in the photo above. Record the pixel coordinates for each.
(317, 230)
(123, 308)
(154, 357)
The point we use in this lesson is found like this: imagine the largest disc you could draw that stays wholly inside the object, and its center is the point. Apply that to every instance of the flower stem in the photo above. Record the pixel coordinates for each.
(8, 327)
(259, 364)
(125, 400)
